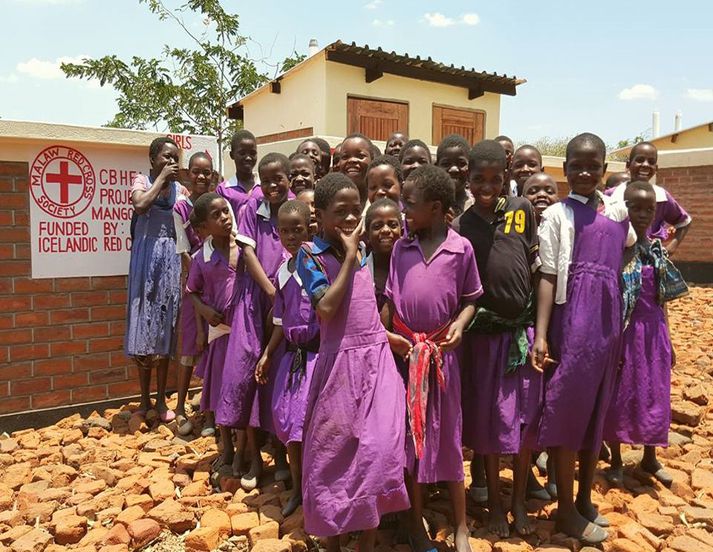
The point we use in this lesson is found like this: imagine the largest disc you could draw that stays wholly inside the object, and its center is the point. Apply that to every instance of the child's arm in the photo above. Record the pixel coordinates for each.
(257, 272)
(668, 326)
(677, 239)
(201, 339)
(458, 326)
(212, 316)
(263, 365)
(398, 343)
(545, 299)
(143, 199)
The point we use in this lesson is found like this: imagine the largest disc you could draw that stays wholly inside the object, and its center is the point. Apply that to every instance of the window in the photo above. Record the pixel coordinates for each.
(376, 119)
(469, 123)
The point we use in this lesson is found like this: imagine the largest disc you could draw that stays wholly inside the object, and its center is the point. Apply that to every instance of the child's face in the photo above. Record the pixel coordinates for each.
(311, 149)
(384, 229)
(642, 207)
(245, 156)
(455, 162)
(395, 144)
(525, 163)
(419, 213)
(355, 157)
(274, 183)
(413, 158)
(343, 213)
(167, 154)
(643, 162)
(540, 190)
(200, 173)
(509, 150)
(381, 182)
(486, 180)
(218, 223)
(293, 231)
(584, 170)
(301, 175)
(336, 157)
(307, 197)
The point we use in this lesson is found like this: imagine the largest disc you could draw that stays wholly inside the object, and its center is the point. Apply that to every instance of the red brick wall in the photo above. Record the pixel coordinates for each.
(61, 340)
(693, 189)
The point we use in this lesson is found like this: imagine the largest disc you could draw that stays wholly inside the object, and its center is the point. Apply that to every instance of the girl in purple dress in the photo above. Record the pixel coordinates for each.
(428, 322)
(452, 157)
(296, 324)
(384, 179)
(200, 170)
(578, 329)
(154, 291)
(383, 229)
(211, 287)
(355, 156)
(301, 173)
(353, 455)
(239, 188)
(242, 405)
(414, 154)
(640, 411)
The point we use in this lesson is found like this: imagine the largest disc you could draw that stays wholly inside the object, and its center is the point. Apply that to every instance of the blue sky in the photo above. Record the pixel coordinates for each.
(601, 67)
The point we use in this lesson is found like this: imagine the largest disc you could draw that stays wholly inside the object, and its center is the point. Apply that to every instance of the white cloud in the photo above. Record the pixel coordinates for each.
(437, 19)
(700, 94)
(10, 79)
(639, 92)
(383, 23)
(373, 4)
(43, 69)
(51, 2)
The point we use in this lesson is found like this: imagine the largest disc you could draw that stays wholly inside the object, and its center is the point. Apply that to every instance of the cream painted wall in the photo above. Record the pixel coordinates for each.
(300, 104)
(697, 137)
(343, 80)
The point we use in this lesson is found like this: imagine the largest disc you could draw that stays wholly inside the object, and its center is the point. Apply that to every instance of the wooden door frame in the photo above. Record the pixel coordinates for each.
(471, 109)
(373, 98)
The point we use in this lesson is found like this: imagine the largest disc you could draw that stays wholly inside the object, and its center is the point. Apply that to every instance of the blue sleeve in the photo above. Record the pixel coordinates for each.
(311, 272)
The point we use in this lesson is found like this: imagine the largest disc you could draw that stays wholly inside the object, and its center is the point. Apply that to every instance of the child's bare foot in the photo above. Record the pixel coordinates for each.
(521, 520)
(292, 504)
(236, 460)
(498, 521)
(574, 525)
(461, 540)
(589, 512)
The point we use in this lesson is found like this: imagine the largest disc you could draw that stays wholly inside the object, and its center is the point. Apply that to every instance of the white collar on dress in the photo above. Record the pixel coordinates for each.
(208, 249)
(618, 192)
(264, 210)
(284, 275)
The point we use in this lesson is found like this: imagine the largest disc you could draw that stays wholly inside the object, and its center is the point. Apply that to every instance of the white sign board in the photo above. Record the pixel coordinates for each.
(80, 206)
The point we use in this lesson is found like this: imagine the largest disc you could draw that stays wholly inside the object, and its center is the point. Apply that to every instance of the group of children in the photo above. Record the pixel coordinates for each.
(376, 313)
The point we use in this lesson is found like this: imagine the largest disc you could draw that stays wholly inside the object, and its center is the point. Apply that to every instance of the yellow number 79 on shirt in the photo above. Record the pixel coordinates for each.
(519, 217)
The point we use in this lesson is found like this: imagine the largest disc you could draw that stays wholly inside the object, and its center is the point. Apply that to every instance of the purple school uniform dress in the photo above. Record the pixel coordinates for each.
(154, 292)
(293, 371)
(584, 335)
(499, 404)
(353, 455)
(235, 193)
(668, 212)
(426, 295)
(640, 410)
(212, 277)
(242, 402)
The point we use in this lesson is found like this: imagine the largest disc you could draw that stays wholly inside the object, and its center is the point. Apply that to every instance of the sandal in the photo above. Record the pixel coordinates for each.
(167, 416)
(183, 425)
(661, 475)
(208, 431)
(593, 534)
(615, 476)
(478, 494)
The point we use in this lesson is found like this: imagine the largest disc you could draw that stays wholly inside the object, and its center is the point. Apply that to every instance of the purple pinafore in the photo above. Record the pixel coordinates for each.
(585, 336)
(217, 283)
(154, 278)
(353, 459)
(640, 409)
(293, 371)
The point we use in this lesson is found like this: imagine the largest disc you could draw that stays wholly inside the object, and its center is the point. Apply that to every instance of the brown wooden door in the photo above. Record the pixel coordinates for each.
(451, 120)
(376, 119)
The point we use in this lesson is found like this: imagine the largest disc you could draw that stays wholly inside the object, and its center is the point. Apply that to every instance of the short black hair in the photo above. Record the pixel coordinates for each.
(415, 143)
(201, 207)
(389, 160)
(274, 157)
(360, 136)
(639, 185)
(540, 174)
(295, 206)
(328, 186)
(200, 155)
(239, 136)
(531, 147)
(158, 143)
(375, 151)
(306, 190)
(383, 203)
(452, 141)
(397, 133)
(586, 139)
(615, 179)
(503, 138)
(489, 151)
(638, 145)
(435, 184)
(302, 157)
(323, 144)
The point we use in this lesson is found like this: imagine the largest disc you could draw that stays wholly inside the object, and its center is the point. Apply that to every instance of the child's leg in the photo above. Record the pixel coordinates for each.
(282, 470)
(457, 492)
(161, 378)
(294, 452)
(240, 439)
(498, 521)
(367, 540)
(521, 471)
(250, 480)
(184, 380)
(144, 366)
(650, 464)
(615, 473)
(587, 466)
(333, 544)
(551, 477)
(226, 437)
(418, 537)
(478, 488)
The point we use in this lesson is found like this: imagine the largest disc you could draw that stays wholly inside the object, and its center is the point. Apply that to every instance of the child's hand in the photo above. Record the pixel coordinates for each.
(262, 368)
(351, 240)
(453, 338)
(211, 316)
(540, 354)
(673, 357)
(400, 345)
(201, 340)
(169, 173)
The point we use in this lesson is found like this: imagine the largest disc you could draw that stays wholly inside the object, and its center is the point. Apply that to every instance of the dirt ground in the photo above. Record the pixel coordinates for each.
(116, 482)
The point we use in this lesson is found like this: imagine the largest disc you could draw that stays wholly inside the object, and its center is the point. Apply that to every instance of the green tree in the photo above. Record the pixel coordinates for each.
(185, 90)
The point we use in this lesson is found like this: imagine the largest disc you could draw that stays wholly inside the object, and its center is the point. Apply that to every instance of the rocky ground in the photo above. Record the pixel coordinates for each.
(116, 482)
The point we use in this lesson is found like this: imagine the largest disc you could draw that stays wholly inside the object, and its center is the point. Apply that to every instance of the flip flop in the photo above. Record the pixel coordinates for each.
(593, 534)
(615, 476)
(601, 520)
(208, 431)
(478, 494)
(661, 475)
(183, 425)
(541, 463)
(167, 416)
(551, 489)
(248, 483)
(292, 505)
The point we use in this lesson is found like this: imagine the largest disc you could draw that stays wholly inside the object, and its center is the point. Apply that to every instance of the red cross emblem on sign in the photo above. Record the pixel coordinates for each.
(62, 181)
